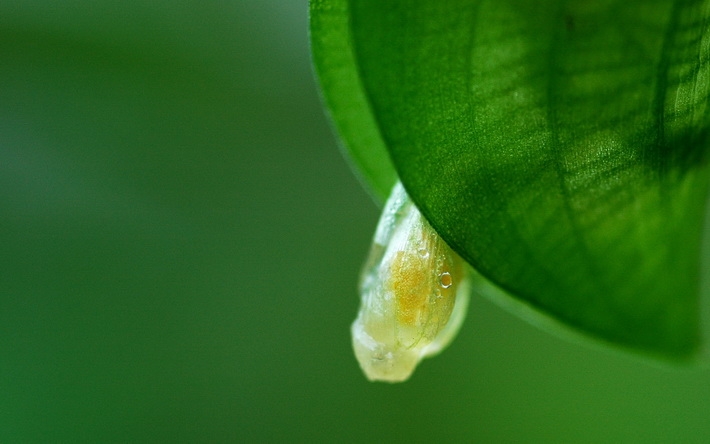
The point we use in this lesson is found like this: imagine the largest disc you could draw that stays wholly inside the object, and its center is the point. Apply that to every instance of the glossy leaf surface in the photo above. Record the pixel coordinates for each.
(560, 147)
(334, 59)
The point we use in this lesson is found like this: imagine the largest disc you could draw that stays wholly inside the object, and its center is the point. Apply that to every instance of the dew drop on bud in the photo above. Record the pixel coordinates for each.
(445, 280)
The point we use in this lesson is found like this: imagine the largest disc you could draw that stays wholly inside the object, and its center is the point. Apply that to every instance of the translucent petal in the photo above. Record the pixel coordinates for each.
(414, 294)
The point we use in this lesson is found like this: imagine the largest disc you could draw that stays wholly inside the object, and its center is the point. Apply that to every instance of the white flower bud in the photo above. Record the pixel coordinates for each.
(414, 294)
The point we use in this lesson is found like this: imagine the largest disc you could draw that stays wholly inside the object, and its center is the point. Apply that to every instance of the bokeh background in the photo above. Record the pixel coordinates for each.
(180, 241)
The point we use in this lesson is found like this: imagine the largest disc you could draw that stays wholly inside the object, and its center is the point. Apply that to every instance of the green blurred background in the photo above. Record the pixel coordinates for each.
(180, 241)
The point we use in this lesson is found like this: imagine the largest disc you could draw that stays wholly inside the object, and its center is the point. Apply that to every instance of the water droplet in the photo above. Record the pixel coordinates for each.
(445, 279)
(423, 252)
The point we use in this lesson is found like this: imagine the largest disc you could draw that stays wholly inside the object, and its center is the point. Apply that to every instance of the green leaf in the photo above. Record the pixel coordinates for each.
(336, 66)
(559, 146)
